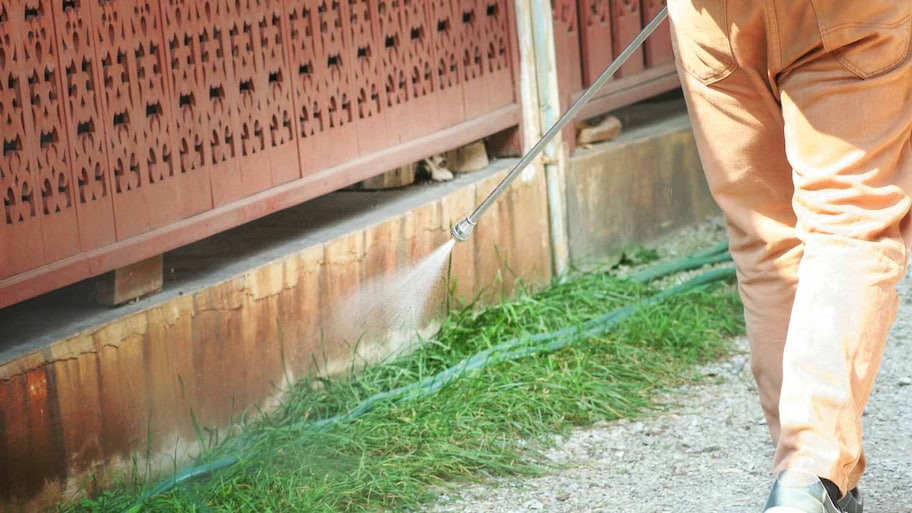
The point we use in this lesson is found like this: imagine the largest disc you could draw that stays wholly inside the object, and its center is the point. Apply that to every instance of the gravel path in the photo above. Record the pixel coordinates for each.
(708, 452)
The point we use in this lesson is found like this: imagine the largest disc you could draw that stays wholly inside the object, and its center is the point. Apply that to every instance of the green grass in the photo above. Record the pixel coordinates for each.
(491, 422)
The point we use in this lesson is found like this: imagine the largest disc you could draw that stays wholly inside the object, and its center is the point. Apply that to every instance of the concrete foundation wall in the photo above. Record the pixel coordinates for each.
(78, 410)
(635, 189)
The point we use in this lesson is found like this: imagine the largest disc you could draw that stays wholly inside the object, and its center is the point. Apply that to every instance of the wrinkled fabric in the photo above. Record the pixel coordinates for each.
(802, 112)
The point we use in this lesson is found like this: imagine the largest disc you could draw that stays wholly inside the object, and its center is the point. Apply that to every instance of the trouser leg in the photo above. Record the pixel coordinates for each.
(739, 130)
(848, 141)
(810, 164)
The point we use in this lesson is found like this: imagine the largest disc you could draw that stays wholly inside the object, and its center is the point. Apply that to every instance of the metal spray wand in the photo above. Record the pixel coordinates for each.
(464, 228)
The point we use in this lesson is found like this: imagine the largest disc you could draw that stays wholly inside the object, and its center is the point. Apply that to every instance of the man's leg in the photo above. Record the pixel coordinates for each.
(739, 131)
(848, 141)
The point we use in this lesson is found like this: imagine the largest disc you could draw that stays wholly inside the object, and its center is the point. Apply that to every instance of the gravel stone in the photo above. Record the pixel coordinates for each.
(708, 451)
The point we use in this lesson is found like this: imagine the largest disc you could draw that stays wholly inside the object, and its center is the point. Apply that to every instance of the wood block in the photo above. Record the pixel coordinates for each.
(128, 283)
(399, 177)
(607, 129)
(470, 157)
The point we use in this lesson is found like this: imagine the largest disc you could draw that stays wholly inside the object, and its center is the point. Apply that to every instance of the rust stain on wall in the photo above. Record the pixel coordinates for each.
(31, 443)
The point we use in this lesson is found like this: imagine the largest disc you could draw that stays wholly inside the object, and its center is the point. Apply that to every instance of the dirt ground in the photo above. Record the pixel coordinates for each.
(709, 452)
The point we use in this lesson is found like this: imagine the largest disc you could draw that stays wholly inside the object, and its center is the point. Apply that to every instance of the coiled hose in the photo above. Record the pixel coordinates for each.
(512, 349)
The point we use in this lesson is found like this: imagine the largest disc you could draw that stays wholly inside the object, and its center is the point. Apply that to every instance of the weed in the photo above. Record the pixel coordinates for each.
(494, 421)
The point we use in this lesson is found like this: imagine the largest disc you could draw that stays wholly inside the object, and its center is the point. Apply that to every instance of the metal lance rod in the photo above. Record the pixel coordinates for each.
(464, 228)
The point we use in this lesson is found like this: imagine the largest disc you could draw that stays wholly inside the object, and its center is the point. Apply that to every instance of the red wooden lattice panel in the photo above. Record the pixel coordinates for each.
(128, 118)
(445, 19)
(203, 80)
(658, 47)
(486, 55)
(191, 131)
(627, 24)
(85, 122)
(370, 96)
(268, 153)
(567, 52)
(408, 69)
(38, 222)
(596, 38)
(321, 82)
(567, 49)
(606, 27)
(149, 189)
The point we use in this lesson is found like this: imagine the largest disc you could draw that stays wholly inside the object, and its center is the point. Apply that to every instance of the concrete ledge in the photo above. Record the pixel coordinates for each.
(634, 189)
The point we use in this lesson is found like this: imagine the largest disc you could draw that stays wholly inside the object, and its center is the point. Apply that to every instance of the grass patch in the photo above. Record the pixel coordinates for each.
(491, 422)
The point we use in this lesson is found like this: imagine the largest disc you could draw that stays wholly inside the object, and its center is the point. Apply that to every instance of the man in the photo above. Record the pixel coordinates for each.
(802, 111)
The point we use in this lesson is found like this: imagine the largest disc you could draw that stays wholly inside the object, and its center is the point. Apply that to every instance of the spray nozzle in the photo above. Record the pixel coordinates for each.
(463, 229)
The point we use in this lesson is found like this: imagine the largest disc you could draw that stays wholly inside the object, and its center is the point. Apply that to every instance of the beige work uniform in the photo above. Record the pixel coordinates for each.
(802, 111)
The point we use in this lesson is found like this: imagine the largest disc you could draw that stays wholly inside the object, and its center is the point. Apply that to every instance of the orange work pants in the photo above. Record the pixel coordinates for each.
(802, 111)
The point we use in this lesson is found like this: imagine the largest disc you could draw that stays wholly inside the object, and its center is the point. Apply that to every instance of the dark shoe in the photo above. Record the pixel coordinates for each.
(852, 502)
(799, 492)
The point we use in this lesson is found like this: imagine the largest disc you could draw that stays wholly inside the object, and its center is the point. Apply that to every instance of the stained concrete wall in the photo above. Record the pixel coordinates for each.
(264, 313)
(85, 405)
(637, 188)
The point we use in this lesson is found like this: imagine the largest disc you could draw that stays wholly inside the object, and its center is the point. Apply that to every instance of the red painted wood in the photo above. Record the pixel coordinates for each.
(487, 56)
(627, 23)
(22, 286)
(605, 27)
(268, 153)
(658, 47)
(446, 20)
(596, 39)
(137, 116)
(20, 224)
(565, 14)
(322, 83)
(628, 90)
(189, 101)
(124, 118)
